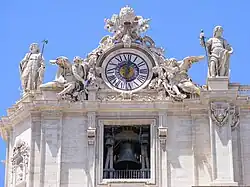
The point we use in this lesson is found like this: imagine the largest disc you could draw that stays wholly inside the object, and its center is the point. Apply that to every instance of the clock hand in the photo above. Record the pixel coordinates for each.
(126, 73)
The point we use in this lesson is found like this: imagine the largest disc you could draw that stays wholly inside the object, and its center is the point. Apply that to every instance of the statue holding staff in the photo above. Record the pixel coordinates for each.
(218, 52)
(32, 68)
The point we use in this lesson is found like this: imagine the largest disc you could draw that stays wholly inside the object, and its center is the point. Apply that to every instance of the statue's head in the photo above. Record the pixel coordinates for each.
(77, 60)
(92, 58)
(34, 48)
(62, 61)
(218, 31)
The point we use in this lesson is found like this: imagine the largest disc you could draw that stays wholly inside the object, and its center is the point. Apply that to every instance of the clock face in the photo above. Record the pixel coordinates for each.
(127, 70)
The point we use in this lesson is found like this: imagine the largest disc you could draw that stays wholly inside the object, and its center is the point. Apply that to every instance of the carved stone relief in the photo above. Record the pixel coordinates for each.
(234, 112)
(170, 79)
(20, 160)
(220, 112)
(127, 97)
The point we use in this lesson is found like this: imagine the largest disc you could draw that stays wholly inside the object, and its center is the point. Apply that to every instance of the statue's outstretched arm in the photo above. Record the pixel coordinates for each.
(187, 62)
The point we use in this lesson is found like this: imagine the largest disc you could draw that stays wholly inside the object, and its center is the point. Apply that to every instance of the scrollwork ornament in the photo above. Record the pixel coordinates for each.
(220, 112)
(162, 134)
(91, 132)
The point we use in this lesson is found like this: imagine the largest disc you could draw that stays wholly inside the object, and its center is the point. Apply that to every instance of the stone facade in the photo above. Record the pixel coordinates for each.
(198, 135)
(194, 149)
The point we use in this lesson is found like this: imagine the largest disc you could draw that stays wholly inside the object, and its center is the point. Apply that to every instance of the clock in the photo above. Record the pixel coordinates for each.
(127, 70)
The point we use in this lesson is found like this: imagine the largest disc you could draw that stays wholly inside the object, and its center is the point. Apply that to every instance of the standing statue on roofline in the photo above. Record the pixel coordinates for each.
(218, 53)
(32, 69)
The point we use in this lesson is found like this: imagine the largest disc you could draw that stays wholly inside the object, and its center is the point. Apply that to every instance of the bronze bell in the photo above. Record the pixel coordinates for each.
(127, 158)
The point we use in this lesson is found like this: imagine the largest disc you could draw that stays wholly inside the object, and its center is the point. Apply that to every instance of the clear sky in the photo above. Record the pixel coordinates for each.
(75, 28)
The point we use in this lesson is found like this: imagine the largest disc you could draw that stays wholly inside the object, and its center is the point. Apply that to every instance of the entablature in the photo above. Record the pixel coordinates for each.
(37, 102)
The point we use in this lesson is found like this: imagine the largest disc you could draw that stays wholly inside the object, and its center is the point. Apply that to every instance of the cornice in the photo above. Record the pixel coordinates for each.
(5, 128)
(37, 102)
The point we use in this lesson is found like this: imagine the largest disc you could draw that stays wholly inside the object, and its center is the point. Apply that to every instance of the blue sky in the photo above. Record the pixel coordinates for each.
(75, 27)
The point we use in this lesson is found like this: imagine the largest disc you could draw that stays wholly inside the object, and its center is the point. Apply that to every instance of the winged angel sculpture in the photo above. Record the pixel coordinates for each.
(74, 78)
(172, 78)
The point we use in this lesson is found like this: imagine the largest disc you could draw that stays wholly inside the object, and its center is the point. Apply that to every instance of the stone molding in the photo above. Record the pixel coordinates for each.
(153, 146)
(36, 102)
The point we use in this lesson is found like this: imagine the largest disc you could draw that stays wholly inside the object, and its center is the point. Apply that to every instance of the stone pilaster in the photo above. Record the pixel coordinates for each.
(162, 135)
(92, 91)
(51, 134)
(236, 144)
(35, 157)
(194, 150)
(200, 147)
(91, 133)
(220, 120)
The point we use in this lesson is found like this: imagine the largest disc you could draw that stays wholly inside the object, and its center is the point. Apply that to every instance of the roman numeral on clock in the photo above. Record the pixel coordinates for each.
(112, 79)
(127, 57)
(135, 59)
(141, 78)
(112, 64)
(130, 85)
(143, 71)
(111, 71)
(142, 63)
(119, 58)
(120, 84)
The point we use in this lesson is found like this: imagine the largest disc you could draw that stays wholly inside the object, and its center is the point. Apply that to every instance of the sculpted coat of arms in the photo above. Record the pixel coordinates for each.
(220, 112)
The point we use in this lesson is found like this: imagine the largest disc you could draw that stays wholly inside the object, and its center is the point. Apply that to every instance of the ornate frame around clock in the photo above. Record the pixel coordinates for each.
(134, 48)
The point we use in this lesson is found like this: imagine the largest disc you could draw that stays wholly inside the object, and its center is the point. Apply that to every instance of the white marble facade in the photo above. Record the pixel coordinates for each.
(199, 136)
(64, 152)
